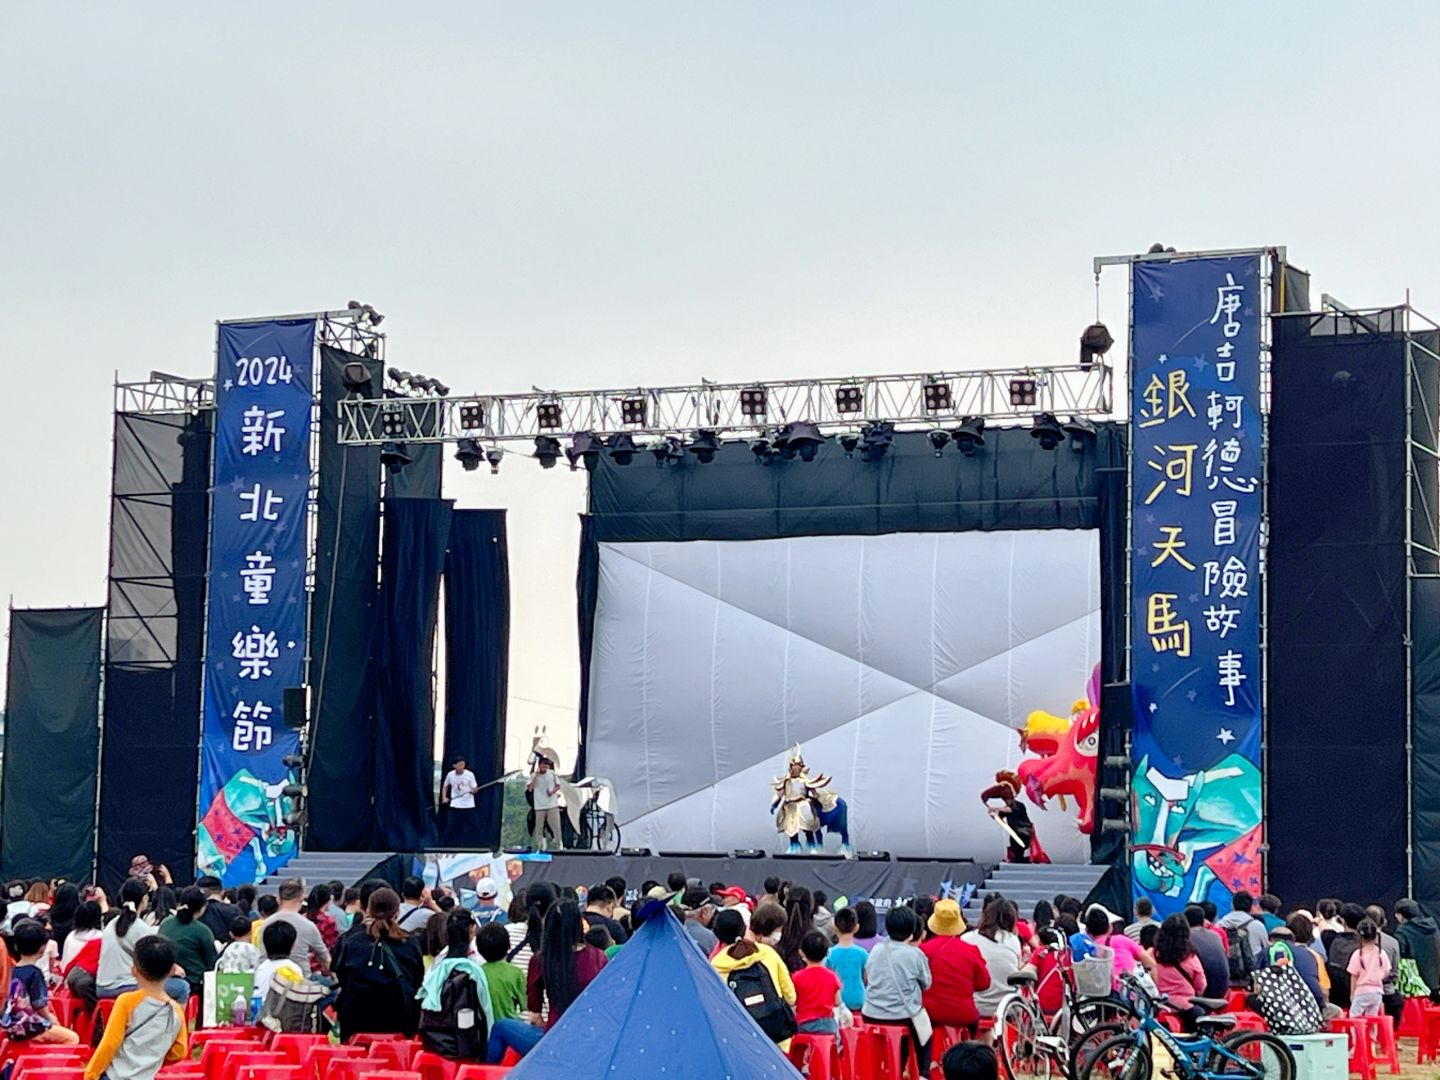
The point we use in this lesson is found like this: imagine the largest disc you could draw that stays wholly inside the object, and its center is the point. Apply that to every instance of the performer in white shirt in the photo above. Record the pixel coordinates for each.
(544, 786)
(457, 792)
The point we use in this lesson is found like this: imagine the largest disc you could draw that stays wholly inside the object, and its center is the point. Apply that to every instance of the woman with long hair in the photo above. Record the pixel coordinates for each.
(317, 911)
(38, 896)
(193, 941)
(379, 970)
(163, 902)
(62, 912)
(999, 945)
(81, 955)
(799, 921)
(527, 921)
(1179, 975)
(115, 973)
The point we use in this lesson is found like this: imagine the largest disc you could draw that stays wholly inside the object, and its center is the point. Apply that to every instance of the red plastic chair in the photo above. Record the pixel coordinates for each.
(181, 1070)
(285, 1071)
(880, 1053)
(52, 1072)
(1426, 1051)
(215, 1052)
(227, 1033)
(365, 1038)
(945, 1037)
(389, 1074)
(483, 1072)
(816, 1056)
(1412, 1018)
(1359, 1035)
(395, 1053)
(1382, 1030)
(293, 1045)
(434, 1067)
(237, 1060)
(1249, 1021)
(849, 1050)
(318, 1060)
(1236, 998)
(29, 1066)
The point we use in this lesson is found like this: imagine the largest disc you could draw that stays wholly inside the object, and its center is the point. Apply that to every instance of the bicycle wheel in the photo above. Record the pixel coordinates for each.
(1084, 1045)
(1091, 1012)
(1016, 1026)
(1124, 1057)
(1262, 1057)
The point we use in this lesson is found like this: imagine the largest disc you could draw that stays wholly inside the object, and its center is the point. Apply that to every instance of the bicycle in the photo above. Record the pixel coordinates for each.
(1207, 1055)
(1030, 1045)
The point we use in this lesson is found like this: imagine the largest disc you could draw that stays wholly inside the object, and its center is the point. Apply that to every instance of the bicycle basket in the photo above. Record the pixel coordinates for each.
(1095, 974)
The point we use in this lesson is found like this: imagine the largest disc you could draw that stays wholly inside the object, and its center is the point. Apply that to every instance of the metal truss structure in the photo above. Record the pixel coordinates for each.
(736, 410)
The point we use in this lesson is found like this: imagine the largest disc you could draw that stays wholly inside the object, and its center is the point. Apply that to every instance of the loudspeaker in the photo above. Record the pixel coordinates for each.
(296, 706)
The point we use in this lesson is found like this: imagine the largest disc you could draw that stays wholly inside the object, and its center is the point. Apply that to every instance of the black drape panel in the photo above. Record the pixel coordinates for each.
(154, 641)
(421, 478)
(477, 654)
(1335, 760)
(342, 623)
(52, 739)
(1116, 710)
(1425, 735)
(587, 590)
(416, 534)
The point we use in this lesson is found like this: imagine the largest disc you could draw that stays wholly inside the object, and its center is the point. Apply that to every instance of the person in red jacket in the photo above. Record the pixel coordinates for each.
(957, 970)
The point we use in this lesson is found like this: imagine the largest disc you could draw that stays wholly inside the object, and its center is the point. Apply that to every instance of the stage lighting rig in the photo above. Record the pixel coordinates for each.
(395, 456)
(704, 445)
(356, 377)
(970, 435)
(584, 448)
(849, 399)
(848, 442)
(494, 455)
(875, 440)
(1022, 392)
(754, 402)
(1081, 432)
(547, 415)
(1048, 430)
(547, 451)
(472, 416)
(1095, 342)
(937, 396)
(668, 451)
(392, 423)
(799, 438)
(365, 312)
(633, 411)
(621, 448)
(469, 453)
(939, 439)
(762, 450)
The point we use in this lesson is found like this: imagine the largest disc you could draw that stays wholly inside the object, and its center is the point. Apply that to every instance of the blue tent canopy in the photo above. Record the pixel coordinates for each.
(657, 1010)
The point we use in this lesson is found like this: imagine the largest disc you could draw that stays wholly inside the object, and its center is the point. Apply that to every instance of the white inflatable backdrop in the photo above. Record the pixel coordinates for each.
(904, 664)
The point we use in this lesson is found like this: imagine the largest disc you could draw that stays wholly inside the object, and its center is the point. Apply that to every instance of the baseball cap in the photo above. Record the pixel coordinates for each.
(1108, 913)
(695, 899)
(486, 889)
(732, 892)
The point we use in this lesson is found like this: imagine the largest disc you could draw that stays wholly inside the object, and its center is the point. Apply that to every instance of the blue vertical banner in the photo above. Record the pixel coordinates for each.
(255, 622)
(1195, 579)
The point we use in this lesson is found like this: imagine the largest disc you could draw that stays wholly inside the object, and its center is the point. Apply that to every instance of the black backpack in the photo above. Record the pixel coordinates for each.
(756, 991)
(457, 1030)
(1242, 956)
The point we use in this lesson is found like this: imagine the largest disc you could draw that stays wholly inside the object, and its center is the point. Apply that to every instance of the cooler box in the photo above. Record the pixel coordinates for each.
(1323, 1056)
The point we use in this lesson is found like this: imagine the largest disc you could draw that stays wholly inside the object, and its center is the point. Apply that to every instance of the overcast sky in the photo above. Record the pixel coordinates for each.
(620, 193)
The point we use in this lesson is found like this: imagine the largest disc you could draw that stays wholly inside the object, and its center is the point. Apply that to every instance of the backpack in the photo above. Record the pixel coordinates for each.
(21, 1020)
(291, 1007)
(1283, 999)
(457, 1030)
(1241, 955)
(756, 991)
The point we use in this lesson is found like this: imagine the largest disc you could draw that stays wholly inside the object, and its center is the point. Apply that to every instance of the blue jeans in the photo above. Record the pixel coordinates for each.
(511, 1035)
(175, 986)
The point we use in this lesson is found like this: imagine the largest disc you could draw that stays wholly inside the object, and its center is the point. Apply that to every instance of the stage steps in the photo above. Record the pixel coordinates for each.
(315, 867)
(1025, 883)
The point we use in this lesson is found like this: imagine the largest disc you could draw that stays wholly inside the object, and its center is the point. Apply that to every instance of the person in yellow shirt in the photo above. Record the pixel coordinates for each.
(146, 1028)
(741, 949)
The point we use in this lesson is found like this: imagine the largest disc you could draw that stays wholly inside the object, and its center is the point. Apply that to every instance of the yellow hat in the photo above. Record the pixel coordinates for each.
(946, 920)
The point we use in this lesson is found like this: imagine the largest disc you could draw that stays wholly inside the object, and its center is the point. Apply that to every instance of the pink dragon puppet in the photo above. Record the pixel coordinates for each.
(1068, 752)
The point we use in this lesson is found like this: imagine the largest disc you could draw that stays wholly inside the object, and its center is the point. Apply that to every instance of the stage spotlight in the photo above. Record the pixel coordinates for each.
(668, 451)
(632, 411)
(419, 382)
(1022, 391)
(849, 399)
(762, 450)
(547, 415)
(1094, 342)
(547, 451)
(365, 311)
(395, 456)
(392, 423)
(584, 448)
(753, 401)
(970, 435)
(1048, 430)
(703, 444)
(799, 437)
(937, 396)
(848, 442)
(1081, 431)
(440, 388)
(356, 377)
(469, 453)
(875, 440)
(293, 791)
(939, 439)
(621, 448)
(494, 456)
(472, 416)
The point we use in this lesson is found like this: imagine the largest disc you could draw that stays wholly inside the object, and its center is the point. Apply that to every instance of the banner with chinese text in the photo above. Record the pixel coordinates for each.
(1195, 579)
(255, 621)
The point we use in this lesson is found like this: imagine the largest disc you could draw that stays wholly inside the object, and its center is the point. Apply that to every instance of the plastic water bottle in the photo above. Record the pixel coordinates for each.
(239, 1011)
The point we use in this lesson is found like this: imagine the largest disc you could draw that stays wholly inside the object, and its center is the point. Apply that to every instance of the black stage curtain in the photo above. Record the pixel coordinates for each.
(416, 533)
(154, 641)
(1116, 708)
(1335, 764)
(477, 649)
(52, 739)
(421, 478)
(587, 588)
(342, 624)
(1425, 736)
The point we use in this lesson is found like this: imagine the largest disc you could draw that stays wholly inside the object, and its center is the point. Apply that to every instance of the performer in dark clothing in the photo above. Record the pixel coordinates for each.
(1015, 817)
